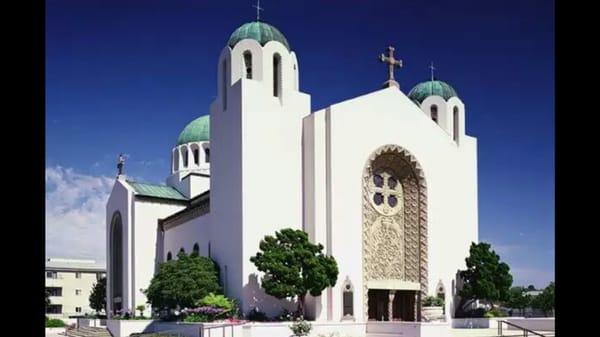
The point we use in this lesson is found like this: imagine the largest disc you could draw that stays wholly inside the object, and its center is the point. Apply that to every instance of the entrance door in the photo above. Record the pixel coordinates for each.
(404, 305)
(378, 304)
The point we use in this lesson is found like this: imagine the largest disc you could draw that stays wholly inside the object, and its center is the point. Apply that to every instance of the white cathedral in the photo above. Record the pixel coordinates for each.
(387, 182)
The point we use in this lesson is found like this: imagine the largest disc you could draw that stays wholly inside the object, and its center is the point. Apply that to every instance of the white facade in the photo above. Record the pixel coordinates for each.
(276, 165)
(69, 283)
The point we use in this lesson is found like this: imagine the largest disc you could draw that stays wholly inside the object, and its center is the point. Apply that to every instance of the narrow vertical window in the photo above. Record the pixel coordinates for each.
(248, 64)
(196, 249)
(196, 156)
(224, 85)
(434, 113)
(348, 300)
(455, 120)
(207, 154)
(276, 75)
(169, 256)
(184, 154)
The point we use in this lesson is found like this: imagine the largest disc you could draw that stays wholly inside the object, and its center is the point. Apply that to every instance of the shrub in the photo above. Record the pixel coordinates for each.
(431, 301)
(54, 323)
(182, 282)
(256, 315)
(494, 313)
(300, 327)
(202, 314)
(217, 301)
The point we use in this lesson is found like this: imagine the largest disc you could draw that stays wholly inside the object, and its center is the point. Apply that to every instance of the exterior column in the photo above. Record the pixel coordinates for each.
(392, 294)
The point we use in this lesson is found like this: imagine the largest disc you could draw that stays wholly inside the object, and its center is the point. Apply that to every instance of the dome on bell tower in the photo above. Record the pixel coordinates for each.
(259, 31)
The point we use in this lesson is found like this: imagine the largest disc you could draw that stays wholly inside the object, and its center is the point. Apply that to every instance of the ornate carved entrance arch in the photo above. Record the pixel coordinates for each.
(394, 222)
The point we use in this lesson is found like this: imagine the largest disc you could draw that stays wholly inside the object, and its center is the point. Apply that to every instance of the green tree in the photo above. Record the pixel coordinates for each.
(518, 298)
(294, 266)
(98, 295)
(486, 278)
(183, 281)
(545, 300)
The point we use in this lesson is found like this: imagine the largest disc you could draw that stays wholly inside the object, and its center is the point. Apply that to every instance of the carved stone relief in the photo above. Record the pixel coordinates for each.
(394, 219)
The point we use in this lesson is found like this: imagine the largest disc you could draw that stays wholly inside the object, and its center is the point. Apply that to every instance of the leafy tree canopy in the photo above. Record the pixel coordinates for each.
(518, 299)
(486, 278)
(183, 281)
(294, 266)
(545, 300)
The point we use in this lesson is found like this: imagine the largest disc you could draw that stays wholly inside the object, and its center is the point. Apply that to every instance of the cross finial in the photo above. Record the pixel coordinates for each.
(432, 69)
(258, 9)
(392, 64)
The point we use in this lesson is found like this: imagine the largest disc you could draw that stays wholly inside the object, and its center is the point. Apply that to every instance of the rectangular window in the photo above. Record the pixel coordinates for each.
(348, 304)
(77, 291)
(54, 291)
(77, 309)
(51, 274)
(54, 309)
(77, 275)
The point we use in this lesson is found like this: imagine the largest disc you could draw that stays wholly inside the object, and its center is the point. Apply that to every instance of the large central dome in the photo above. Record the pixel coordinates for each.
(259, 31)
(197, 130)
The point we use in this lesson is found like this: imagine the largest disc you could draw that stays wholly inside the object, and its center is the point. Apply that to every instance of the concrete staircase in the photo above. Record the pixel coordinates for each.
(85, 331)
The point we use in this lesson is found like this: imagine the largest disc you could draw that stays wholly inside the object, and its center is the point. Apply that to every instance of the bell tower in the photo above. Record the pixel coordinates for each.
(256, 152)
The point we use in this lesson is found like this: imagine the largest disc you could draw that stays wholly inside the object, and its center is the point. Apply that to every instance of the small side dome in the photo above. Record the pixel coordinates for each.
(259, 31)
(431, 88)
(197, 130)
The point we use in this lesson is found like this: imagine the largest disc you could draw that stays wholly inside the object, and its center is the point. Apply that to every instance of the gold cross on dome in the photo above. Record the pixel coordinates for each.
(392, 65)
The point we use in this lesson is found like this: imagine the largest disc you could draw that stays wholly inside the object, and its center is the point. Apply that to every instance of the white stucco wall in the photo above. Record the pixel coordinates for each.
(348, 133)
(146, 215)
(186, 235)
(256, 142)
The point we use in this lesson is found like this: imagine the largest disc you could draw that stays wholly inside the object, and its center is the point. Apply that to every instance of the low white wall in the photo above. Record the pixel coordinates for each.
(410, 329)
(536, 324)
(476, 323)
(124, 328)
(282, 329)
(93, 322)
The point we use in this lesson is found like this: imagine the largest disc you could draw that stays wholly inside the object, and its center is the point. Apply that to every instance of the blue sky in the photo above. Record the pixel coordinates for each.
(127, 76)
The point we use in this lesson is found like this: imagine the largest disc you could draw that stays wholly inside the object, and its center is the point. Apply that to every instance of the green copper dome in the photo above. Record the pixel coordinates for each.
(431, 88)
(258, 31)
(197, 131)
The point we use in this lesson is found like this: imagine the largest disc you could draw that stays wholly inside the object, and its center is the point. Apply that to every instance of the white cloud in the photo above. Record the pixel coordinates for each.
(75, 213)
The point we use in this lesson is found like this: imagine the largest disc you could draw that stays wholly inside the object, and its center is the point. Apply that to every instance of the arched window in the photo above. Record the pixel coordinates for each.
(434, 113)
(347, 300)
(276, 75)
(207, 154)
(181, 250)
(196, 249)
(248, 64)
(224, 85)
(196, 153)
(116, 261)
(184, 155)
(455, 119)
(169, 256)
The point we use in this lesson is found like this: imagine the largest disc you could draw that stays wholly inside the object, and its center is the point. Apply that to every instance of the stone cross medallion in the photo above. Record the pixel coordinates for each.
(392, 65)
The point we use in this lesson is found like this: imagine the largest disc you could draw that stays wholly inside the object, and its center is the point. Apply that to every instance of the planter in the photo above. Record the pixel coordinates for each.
(433, 313)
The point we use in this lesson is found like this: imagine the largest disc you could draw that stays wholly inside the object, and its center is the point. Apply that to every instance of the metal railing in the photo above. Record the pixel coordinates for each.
(223, 328)
(526, 331)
